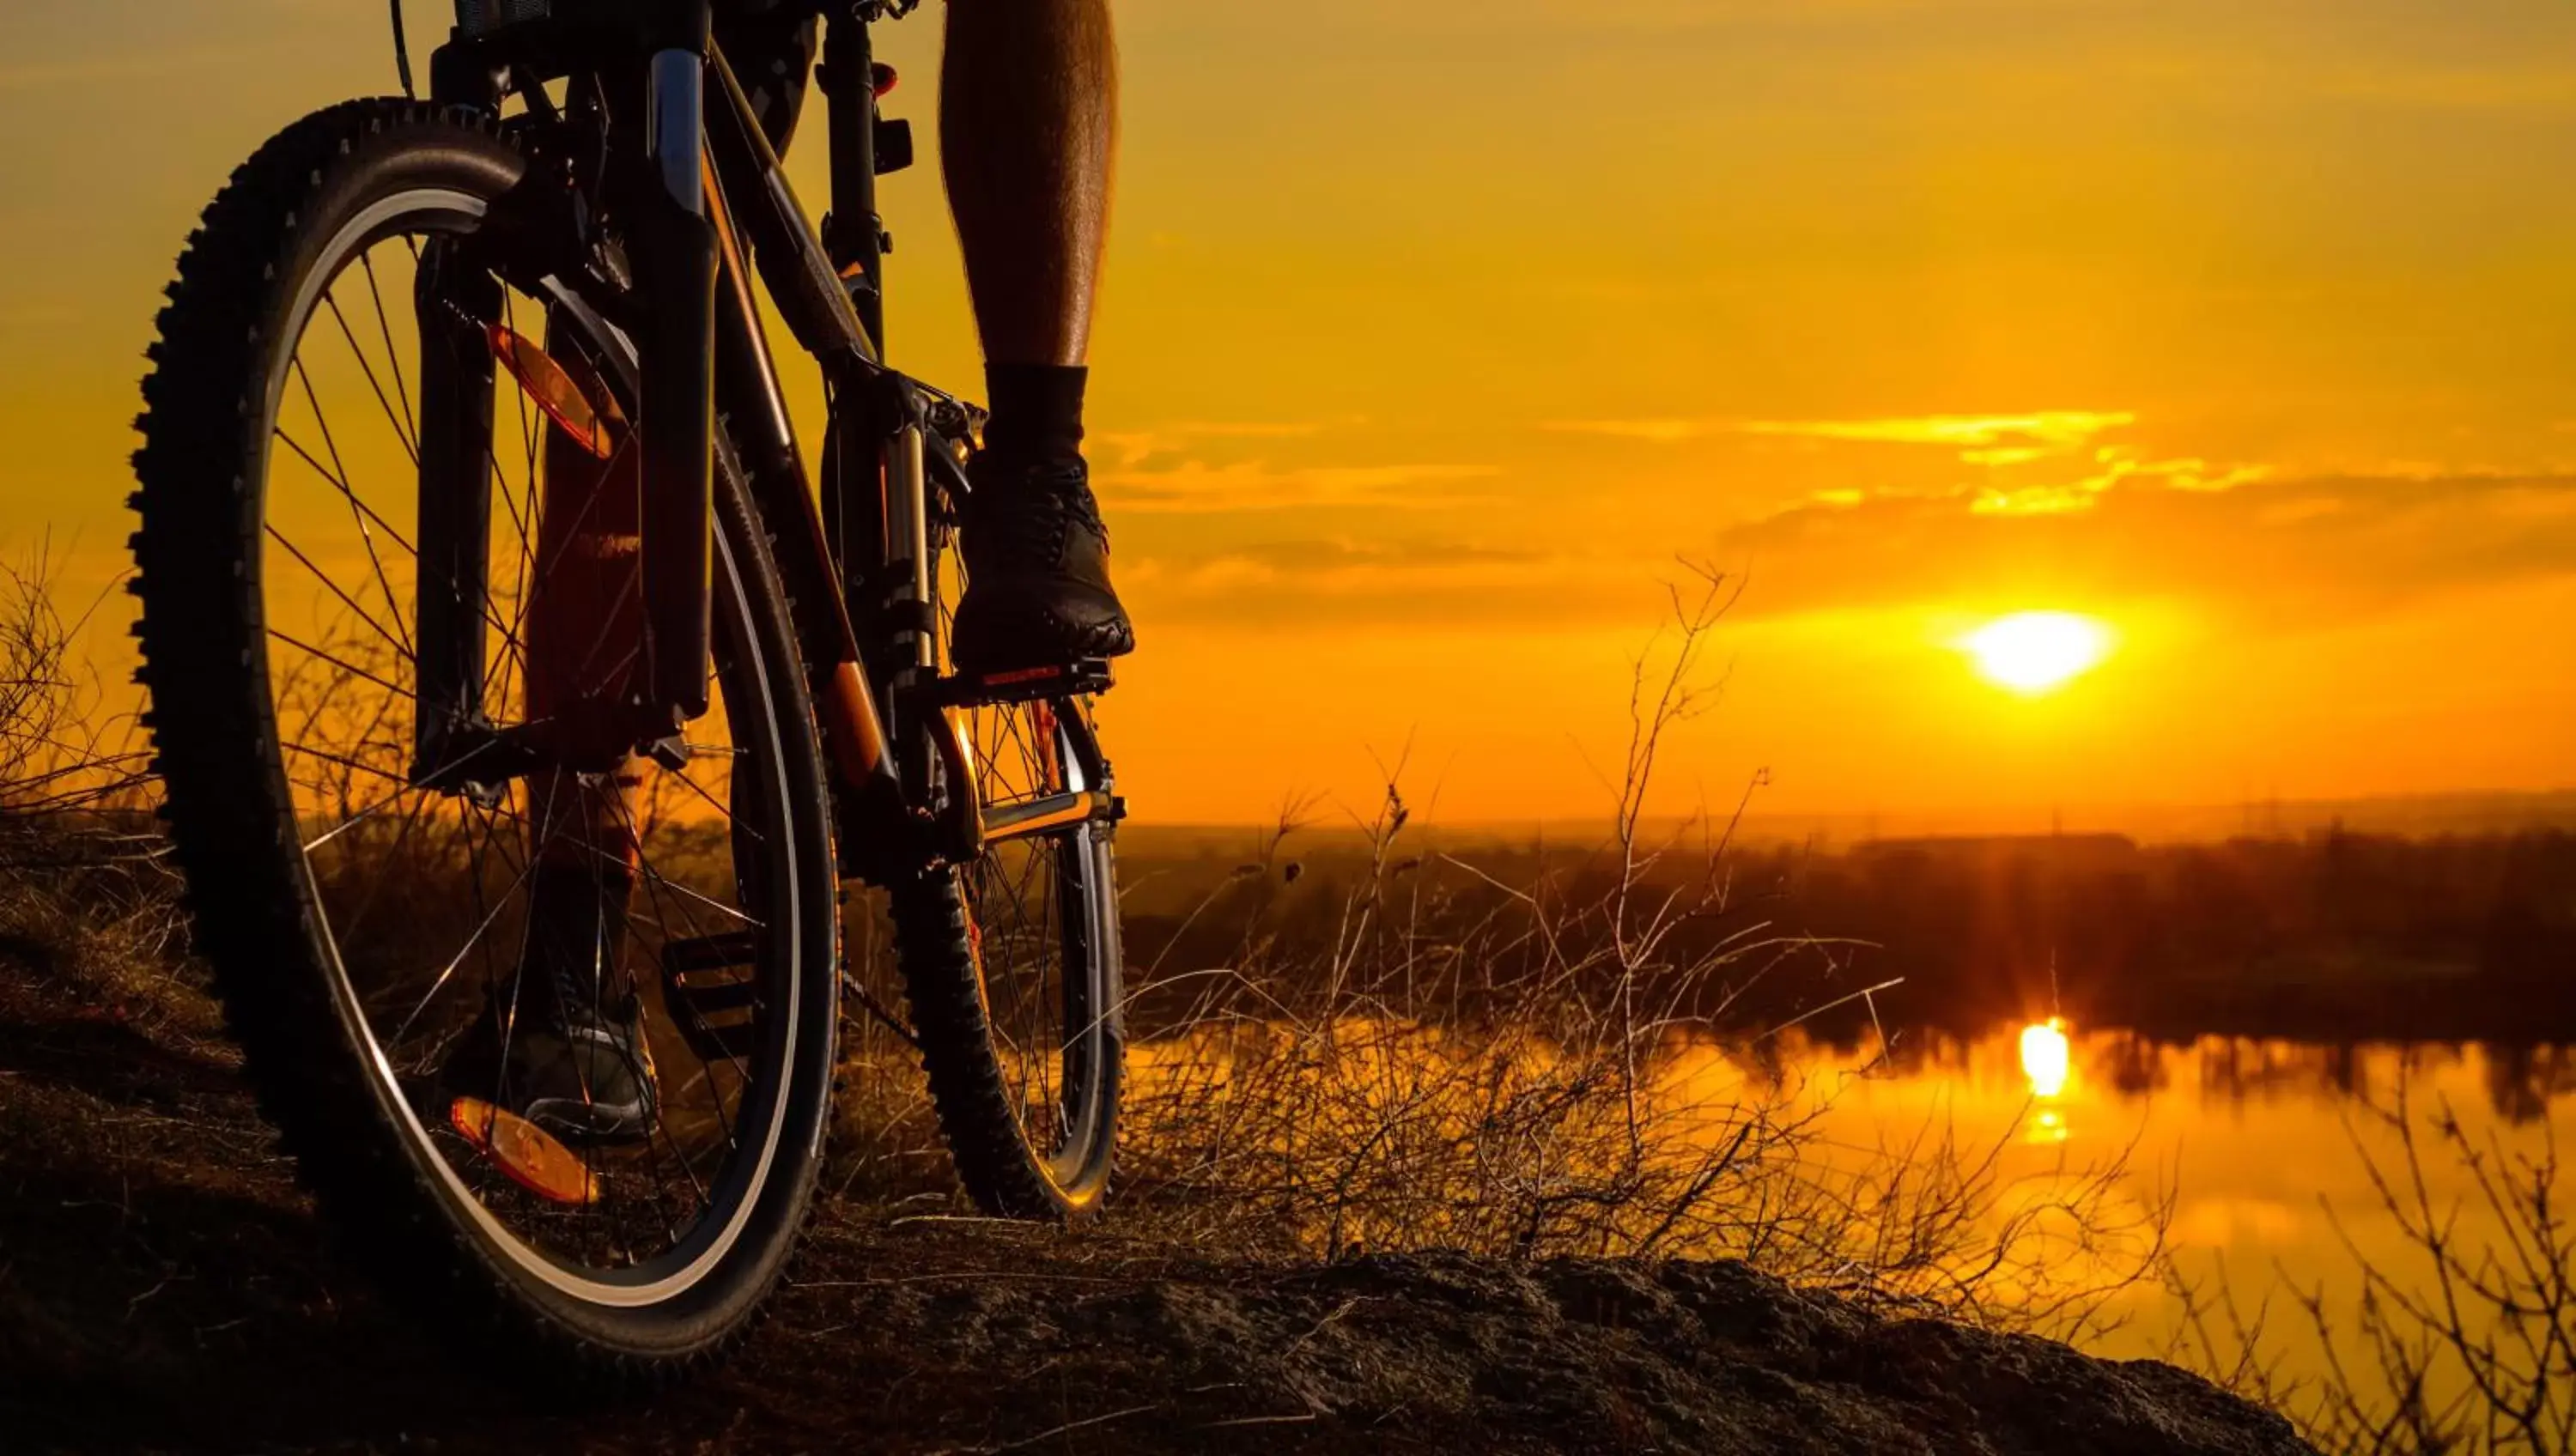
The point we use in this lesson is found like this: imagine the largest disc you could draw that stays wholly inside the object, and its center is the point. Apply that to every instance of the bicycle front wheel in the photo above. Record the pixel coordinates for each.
(438, 964)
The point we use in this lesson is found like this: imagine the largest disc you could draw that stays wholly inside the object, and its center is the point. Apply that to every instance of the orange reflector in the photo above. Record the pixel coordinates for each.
(528, 1153)
(553, 387)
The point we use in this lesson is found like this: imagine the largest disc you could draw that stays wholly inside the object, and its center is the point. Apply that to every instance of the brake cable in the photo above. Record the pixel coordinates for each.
(402, 54)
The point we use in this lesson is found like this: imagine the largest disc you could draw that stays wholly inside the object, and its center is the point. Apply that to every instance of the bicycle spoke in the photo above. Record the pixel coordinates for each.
(401, 645)
(694, 787)
(410, 445)
(404, 784)
(343, 664)
(341, 470)
(688, 1165)
(508, 1021)
(1017, 1054)
(393, 355)
(716, 905)
(1025, 1048)
(344, 488)
(461, 953)
(652, 878)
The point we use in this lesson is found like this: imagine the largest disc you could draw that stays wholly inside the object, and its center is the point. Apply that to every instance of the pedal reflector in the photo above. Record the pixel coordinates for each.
(528, 1153)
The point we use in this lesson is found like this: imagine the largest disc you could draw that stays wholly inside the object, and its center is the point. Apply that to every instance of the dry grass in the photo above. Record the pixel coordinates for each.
(83, 885)
(2467, 1346)
(1438, 1058)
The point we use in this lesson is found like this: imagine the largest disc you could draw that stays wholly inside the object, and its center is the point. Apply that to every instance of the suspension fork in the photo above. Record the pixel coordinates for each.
(451, 295)
(661, 187)
(676, 253)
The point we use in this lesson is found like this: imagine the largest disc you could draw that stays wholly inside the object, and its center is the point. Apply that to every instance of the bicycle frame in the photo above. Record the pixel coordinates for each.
(706, 205)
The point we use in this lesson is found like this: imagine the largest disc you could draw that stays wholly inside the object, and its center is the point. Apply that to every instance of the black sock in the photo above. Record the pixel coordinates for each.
(1037, 412)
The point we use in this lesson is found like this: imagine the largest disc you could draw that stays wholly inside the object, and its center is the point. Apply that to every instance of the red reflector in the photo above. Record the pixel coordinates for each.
(528, 1153)
(881, 76)
(553, 387)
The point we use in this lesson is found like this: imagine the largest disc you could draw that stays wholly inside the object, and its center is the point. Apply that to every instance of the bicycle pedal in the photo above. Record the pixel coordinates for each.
(1079, 678)
(717, 1013)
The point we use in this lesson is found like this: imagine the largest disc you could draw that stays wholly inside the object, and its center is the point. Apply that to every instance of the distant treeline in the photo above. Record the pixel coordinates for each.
(2334, 936)
(2329, 937)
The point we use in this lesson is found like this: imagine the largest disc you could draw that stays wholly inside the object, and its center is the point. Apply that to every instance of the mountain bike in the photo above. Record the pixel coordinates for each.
(504, 654)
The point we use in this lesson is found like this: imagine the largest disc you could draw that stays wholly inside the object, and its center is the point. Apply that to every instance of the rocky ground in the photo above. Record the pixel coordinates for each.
(163, 1286)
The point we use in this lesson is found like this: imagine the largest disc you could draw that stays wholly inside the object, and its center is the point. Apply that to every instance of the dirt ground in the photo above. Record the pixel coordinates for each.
(163, 1286)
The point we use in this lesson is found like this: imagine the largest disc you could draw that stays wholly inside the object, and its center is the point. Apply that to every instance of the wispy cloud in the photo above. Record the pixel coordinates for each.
(1301, 583)
(2037, 462)
(2116, 467)
(1196, 487)
(1129, 446)
(2260, 546)
(1661, 432)
(2003, 439)
(2038, 432)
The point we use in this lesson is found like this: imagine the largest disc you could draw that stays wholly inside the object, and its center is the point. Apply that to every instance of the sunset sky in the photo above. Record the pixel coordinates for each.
(1435, 332)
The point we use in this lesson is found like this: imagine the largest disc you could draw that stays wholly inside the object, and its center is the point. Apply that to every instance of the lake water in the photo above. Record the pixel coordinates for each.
(2263, 1147)
(2243, 1166)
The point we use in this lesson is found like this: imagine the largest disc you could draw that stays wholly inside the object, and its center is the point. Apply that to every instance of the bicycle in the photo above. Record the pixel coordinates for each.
(547, 600)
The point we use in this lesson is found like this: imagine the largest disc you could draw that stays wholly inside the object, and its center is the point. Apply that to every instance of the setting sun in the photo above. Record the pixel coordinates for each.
(2034, 652)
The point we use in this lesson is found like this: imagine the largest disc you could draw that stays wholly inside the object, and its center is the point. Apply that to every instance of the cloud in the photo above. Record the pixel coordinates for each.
(2265, 553)
(1301, 583)
(2008, 452)
(2118, 465)
(1995, 445)
(2000, 439)
(1129, 447)
(1661, 432)
(2045, 431)
(2241, 543)
(1326, 555)
(1196, 487)
(1218, 467)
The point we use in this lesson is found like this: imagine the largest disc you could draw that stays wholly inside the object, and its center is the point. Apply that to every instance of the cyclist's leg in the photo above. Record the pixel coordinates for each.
(1028, 115)
(566, 1029)
(1028, 119)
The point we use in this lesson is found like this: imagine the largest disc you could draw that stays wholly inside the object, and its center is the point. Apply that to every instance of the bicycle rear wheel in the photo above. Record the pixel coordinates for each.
(374, 918)
(1011, 961)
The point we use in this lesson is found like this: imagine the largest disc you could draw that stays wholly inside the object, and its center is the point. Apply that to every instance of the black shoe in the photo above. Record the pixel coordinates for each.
(562, 1045)
(1037, 570)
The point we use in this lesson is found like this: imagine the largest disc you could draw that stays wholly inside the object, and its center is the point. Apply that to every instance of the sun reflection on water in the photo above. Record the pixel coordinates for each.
(2045, 1057)
(2046, 1063)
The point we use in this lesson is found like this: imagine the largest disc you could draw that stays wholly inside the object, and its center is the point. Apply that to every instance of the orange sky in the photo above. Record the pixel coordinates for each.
(1434, 332)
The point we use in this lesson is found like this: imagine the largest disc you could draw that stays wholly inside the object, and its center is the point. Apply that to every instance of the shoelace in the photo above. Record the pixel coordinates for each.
(1032, 519)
